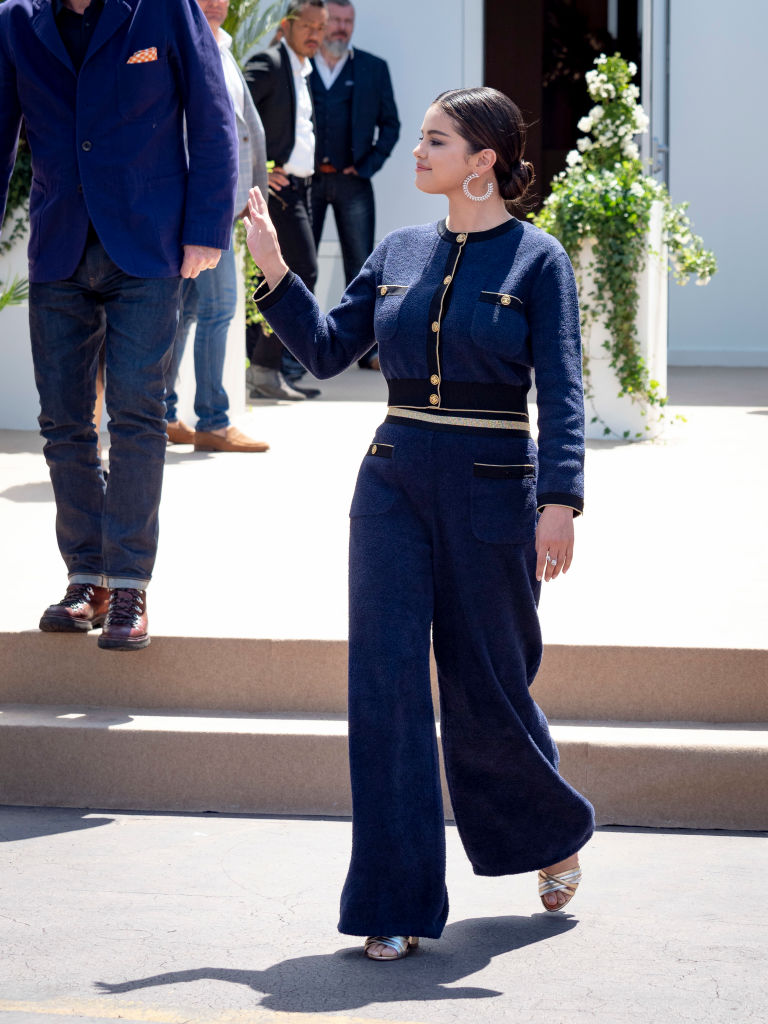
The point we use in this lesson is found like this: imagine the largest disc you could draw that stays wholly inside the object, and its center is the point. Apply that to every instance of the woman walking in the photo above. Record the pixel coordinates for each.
(457, 517)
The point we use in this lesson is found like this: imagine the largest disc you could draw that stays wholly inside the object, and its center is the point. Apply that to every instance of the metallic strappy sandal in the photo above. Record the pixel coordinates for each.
(400, 943)
(566, 881)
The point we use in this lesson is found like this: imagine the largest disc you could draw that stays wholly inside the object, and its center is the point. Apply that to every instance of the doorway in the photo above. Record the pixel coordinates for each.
(538, 52)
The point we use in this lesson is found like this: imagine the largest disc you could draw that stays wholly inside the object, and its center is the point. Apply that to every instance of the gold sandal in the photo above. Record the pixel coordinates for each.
(566, 881)
(400, 943)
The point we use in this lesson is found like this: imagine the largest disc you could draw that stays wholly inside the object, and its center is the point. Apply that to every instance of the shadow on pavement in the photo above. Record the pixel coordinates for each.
(17, 823)
(37, 492)
(346, 980)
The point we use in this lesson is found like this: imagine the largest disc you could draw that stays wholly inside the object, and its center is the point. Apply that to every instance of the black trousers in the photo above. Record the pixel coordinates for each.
(291, 214)
(351, 199)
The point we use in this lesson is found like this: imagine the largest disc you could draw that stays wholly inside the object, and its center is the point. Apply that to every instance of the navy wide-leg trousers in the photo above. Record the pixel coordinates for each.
(442, 538)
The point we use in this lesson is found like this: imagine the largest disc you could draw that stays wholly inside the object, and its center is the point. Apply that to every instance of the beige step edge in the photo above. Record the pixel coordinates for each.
(266, 675)
(684, 775)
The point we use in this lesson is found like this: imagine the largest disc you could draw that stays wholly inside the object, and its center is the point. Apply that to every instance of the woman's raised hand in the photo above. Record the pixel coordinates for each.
(262, 239)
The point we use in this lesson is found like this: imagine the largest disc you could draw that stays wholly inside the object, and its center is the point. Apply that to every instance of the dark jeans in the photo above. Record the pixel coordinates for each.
(351, 199)
(290, 213)
(107, 533)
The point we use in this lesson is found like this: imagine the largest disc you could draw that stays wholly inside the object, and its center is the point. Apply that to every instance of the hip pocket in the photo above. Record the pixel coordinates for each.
(376, 487)
(503, 502)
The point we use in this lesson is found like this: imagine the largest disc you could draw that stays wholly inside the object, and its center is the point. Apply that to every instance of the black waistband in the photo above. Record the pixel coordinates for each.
(458, 397)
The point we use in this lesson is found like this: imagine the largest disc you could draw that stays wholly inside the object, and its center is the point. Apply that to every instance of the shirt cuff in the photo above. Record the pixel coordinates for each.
(563, 500)
(264, 296)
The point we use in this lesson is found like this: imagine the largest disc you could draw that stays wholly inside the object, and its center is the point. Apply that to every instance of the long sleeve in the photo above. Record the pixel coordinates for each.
(328, 344)
(556, 348)
(388, 125)
(10, 124)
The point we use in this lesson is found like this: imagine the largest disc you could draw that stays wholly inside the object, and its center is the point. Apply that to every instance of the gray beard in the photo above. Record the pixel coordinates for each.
(336, 47)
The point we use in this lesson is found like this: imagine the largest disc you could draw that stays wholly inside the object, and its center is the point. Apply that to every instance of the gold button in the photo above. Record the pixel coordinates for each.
(374, 449)
(461, 238)
(447, 280)
(433, 399)
(434, 379)
(383, 290)
(435, 326)
(505, 300)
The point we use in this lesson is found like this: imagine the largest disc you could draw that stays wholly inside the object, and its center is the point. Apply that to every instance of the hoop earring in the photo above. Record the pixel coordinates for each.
(468, 194)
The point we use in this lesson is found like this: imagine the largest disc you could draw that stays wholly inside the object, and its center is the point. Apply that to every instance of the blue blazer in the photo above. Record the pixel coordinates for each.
(375, 124)
(108, 145)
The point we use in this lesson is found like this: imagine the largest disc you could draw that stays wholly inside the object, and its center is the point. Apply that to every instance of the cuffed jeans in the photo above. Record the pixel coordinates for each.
(107, 531)
(211, 299)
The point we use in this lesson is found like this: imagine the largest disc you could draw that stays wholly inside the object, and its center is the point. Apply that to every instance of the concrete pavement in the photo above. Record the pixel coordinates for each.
(671, 550)
(212, 919)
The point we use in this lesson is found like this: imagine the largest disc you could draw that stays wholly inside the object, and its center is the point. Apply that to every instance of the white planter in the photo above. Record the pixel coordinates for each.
(625, 415)
(19, 403)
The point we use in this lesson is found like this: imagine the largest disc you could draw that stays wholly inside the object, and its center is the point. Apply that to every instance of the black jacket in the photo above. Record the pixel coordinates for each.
(375, 124)
(270, 80)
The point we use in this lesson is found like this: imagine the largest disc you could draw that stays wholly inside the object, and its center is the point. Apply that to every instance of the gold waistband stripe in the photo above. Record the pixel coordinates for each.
(458, 421)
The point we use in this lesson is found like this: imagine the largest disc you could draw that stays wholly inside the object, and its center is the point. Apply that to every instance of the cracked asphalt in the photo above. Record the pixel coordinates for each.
(213, 919)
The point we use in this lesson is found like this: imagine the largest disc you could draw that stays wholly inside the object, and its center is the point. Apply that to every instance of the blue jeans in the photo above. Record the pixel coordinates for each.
(211, 300)
(107, 531)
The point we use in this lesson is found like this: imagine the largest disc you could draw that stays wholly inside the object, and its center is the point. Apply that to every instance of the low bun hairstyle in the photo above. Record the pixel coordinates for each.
(487, 119)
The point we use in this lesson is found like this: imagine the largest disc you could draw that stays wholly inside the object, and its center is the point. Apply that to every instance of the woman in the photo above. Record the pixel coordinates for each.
(444, 530)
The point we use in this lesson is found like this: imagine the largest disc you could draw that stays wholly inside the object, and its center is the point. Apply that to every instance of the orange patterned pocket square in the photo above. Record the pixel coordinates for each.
(143, 56)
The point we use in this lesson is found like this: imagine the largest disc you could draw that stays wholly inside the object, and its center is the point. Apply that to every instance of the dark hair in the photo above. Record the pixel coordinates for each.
(294, 7)
(487, 119)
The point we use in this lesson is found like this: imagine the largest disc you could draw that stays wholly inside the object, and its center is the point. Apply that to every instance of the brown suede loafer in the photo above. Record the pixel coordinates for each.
(233, 441)
(180, 433)
(83, 607)
(125, 627)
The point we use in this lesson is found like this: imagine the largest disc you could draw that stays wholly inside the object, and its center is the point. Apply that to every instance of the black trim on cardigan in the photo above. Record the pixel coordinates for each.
(458, 396)
(518, 472)
(477, 236)
(264, 298)
(569, 500)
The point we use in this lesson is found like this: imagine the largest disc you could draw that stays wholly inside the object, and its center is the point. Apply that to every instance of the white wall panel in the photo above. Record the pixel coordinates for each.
(718, 158)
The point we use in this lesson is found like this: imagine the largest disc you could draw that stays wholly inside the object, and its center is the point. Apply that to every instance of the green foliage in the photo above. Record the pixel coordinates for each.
(14, 293)
(605, 197)
(247, 23)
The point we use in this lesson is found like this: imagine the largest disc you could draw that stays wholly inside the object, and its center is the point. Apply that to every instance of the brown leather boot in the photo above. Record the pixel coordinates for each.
(83, 607)
(125, 627)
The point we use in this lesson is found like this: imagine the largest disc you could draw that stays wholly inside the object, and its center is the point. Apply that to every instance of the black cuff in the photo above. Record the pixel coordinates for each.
(264, 298)
(554, 498)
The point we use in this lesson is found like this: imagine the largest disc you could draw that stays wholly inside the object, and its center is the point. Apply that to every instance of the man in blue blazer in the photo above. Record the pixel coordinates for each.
(357, 127)
(118, 214)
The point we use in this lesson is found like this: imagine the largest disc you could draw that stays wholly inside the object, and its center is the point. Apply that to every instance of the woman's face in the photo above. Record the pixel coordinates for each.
(442, 157)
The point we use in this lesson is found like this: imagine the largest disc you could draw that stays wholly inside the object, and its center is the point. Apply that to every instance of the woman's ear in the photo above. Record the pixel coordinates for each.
(484, 160)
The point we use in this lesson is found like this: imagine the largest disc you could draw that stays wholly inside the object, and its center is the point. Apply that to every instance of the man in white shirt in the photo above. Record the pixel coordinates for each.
(277, 79)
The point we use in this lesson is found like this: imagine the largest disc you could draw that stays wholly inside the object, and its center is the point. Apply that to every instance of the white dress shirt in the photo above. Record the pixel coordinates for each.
(301, 162)
(231, 74)
(328, 74)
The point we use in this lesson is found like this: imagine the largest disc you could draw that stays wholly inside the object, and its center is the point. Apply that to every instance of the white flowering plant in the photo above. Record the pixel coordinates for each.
(605, 195)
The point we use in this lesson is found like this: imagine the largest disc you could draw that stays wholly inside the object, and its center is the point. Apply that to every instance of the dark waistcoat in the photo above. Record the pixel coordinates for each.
(333, 118)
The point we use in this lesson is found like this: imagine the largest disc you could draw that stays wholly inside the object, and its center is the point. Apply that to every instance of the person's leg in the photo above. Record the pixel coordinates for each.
(513, 810)
(216, 305)
(67, 331)
(142, 317)
(355, 215)
(319, 203)
(187, 317)
(396, 879)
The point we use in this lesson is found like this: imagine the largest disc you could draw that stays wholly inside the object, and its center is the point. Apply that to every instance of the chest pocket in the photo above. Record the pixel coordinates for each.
(145, 89)
(389, 301)
(499, 324)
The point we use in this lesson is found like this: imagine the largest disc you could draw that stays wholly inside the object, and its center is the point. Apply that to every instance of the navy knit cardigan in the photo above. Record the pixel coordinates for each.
(461, 321)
